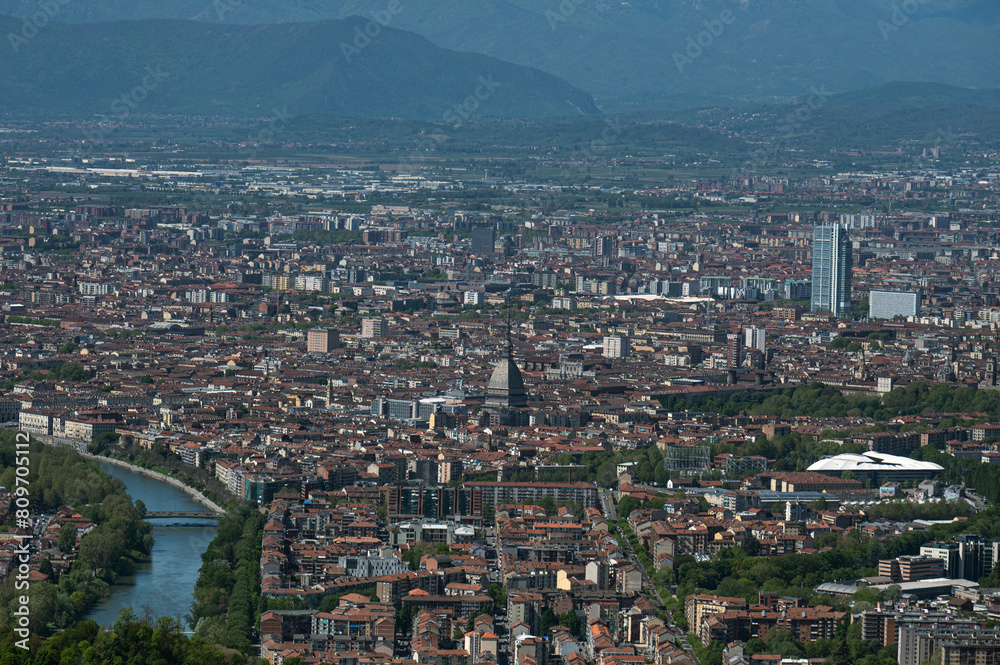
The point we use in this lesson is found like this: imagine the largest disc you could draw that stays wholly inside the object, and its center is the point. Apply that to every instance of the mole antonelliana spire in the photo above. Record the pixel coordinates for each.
(506, 387)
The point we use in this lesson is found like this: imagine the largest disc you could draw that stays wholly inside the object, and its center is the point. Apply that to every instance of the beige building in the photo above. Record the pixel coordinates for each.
(598, 572)
(697, 607)
(628, 580)
(36, 421)
(85, 429)
(374, 328)
(322, 340)
(482, 645)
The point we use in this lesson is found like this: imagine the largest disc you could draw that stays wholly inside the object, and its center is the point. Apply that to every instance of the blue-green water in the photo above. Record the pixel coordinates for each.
(165, 583)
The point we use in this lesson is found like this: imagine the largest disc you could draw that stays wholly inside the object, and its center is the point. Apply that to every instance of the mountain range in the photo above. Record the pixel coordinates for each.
(887, 117)
(350, 67)
(668, 54)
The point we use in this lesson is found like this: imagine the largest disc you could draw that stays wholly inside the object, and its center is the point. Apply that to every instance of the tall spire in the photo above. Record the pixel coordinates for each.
(509, 347)
(506, 386)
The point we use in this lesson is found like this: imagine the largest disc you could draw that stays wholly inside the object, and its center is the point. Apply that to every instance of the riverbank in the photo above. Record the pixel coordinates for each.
(191, 491)
(165, 581)
(119, 542)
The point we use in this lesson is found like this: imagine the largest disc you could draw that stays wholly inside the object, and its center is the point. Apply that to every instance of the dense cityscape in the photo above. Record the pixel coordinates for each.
(451, 418)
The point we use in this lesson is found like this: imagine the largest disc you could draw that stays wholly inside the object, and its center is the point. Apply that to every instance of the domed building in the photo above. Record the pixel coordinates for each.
(445, 301)
(506, 387)
(880, 467)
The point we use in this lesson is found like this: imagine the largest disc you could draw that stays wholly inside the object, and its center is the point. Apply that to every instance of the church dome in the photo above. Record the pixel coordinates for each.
(506, 386)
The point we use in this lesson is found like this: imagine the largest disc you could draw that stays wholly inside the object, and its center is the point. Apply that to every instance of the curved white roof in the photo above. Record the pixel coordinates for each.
(871, 461)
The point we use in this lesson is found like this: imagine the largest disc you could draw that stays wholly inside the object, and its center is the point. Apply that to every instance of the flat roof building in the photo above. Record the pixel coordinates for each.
(322, 340)
(890, 304)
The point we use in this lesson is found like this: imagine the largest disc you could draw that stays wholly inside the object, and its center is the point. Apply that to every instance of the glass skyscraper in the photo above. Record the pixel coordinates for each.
(832, 263)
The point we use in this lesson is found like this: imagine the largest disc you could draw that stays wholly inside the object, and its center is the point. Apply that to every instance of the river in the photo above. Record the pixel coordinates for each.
(165, 583)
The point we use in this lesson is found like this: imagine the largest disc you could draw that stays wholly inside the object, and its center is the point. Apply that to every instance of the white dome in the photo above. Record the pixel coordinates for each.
(872, 461)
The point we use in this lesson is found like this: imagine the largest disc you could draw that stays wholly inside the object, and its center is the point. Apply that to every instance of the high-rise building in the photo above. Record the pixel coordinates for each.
(483, 241)
(831, 274)
(859, 221)
(617, 347)
(374, 328)
(734, 352)
(798, 289)
(979, 555)
(604, 246)
(545, 280)
(970, 556)
(890, 304)
(754, 338)
(322, 340)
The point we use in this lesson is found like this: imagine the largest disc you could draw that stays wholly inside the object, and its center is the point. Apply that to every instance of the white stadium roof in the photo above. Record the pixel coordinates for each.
(871, 461)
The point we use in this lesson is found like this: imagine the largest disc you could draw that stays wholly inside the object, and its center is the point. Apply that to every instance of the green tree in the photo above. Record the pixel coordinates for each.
(499, 595)
(73, 371)
(404, 619)
(573, 622)
(548, 619)
(841, 653)
(826, 540)
(103, 441)
(859, 308)
(607, 474)
(67, 538)
(819, 504)
(412, 557)
(893, 592)
(627, 505)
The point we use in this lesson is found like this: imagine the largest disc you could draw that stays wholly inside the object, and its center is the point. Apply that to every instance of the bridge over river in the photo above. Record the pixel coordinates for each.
(177, 513)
